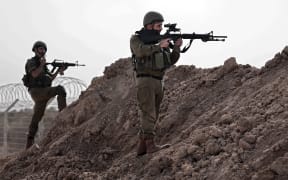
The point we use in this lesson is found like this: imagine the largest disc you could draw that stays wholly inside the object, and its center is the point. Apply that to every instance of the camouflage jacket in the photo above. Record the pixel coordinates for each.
(151, 59)
(43, 80)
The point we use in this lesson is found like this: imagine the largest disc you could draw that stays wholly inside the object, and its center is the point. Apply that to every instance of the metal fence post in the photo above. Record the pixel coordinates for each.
(6, 128)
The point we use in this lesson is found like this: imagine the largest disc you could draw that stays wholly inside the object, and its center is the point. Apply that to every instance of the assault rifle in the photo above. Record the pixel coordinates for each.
(60, 63)
(174, 33)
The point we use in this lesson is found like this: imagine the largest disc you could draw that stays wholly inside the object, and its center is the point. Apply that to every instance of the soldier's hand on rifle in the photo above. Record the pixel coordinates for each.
(178, 42)
(42, 61)
(62, 69)
(164, 43)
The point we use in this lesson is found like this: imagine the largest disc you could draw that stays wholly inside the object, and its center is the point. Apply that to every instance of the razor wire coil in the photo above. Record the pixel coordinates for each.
(10, 92)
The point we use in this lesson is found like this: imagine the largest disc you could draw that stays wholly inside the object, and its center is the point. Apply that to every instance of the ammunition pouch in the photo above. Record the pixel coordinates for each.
(39, 82)
(43, 81)
(157, 62)
(162, 60)
(26, 80)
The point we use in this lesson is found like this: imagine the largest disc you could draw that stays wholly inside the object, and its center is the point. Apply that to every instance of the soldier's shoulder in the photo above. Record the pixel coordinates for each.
(30, 61)
(134, 36)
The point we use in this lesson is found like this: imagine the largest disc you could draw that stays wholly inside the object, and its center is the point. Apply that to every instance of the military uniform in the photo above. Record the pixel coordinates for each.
(151, 61)
(41, 92)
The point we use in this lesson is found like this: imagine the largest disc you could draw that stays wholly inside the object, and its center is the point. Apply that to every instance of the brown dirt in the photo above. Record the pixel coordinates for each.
(224, 123)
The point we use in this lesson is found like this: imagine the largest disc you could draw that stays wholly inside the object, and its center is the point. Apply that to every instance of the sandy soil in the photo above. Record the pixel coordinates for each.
(224, 123)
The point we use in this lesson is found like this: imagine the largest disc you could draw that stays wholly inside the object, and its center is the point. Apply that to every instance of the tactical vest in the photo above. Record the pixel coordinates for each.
(153, 65)
(43, 80)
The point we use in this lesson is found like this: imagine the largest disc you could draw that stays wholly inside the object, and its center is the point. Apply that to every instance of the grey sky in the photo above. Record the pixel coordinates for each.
(97, 33)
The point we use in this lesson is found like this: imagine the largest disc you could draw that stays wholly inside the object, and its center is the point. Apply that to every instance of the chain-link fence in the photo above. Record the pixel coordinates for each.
(16, 112)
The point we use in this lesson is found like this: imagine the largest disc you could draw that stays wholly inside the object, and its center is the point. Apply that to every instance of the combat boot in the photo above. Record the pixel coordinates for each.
(152, 147)
(30, 142)
(141, 149)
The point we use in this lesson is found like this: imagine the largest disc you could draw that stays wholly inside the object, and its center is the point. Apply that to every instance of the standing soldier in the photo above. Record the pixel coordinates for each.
(151, 61)
(38, 79)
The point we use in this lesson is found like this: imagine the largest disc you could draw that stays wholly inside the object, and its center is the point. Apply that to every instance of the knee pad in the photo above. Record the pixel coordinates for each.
(61, 91)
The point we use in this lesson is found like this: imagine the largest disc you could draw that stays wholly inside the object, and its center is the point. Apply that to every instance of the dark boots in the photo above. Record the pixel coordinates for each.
(151, 147)
(147, 145)
(141, 149)
(30, 142)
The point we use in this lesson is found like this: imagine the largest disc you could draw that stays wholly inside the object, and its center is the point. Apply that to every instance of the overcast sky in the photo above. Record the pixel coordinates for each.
(97, 33)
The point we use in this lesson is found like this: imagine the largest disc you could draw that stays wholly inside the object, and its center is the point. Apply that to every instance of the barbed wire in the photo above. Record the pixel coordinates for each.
(10, 92)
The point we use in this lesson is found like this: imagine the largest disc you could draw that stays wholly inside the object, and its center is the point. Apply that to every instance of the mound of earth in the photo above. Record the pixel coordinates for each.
(227, 122)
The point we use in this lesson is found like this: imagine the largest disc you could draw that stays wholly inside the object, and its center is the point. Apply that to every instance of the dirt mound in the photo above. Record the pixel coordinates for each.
(227, 122)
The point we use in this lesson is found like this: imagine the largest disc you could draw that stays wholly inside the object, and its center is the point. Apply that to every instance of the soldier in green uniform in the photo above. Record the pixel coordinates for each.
(151, 61)
(38, 80)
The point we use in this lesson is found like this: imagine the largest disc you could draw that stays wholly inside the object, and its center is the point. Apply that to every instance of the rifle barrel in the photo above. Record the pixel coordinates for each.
(220, 36)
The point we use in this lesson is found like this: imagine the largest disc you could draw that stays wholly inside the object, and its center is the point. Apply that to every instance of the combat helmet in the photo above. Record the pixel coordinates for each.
(151, 17)
(39, 44)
